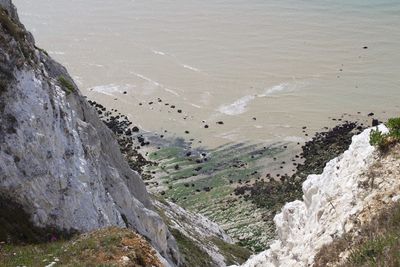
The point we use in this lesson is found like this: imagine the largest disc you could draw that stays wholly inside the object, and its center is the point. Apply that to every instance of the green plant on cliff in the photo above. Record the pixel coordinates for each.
(12, 28)
(377, 243)
(394, 127)
(104, 247)
(233, 253)
(16, 31)
(383, 141)
(42, 50)
(66, 85)
(192, 254)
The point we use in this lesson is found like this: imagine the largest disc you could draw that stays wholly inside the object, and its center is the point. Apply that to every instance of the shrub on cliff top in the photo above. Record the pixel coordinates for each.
(394, 127)
(384, 141)
(377, 243)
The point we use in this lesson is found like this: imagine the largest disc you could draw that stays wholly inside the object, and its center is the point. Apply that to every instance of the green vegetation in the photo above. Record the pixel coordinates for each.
(233, 254)
(12, 28)
(103, 247)
(377, 251)
(16, 31)
(203, 181)
(42, 50)
(193, 255)
(381, 246)
(29, 255)
(377, 243)
(383, 141)
(278, 192)
(66, 85)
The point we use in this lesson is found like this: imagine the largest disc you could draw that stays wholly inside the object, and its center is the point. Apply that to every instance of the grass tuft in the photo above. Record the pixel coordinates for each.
(42, 50)
(16, 31)
(66, 85)
(12, 28)
(376, 244)
(233, 254)
(192, 254)
(383, 141)
(104, 247)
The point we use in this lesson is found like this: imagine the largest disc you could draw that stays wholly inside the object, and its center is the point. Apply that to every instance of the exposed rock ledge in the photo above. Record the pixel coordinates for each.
(331, 202)
(61, 170)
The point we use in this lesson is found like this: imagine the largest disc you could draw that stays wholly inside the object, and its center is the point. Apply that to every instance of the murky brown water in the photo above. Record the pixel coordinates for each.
(264, 68)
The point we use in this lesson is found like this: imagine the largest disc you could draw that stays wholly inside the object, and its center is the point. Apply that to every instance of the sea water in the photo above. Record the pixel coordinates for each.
(266, 68)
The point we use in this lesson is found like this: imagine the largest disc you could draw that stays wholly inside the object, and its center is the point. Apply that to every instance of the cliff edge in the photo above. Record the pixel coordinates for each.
(352, 189)
(61, 170)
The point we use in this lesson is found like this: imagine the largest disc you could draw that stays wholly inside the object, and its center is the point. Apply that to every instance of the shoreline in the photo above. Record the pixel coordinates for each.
(218, 182)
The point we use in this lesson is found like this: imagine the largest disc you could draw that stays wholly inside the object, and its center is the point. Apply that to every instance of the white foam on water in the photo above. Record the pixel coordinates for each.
(159, 53)
(155, 84)
(240, 105)
(171, 91)
(237, 107)
(275, 89)
(146, 79)
(95, 65)
(280, 88)
(109, 89)
(191, 68)
(294, 139)
(194, 105)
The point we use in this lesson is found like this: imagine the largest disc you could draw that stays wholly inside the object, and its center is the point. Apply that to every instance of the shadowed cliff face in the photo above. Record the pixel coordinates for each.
(59, 164)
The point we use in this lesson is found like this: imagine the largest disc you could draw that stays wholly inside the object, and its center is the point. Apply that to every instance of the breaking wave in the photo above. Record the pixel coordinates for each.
(240, 105)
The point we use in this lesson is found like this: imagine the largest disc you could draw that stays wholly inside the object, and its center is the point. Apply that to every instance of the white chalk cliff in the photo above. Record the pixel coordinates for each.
(330, 201)
(60, 167)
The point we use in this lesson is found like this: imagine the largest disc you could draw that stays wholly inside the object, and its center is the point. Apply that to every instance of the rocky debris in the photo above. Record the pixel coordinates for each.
(315, 153)
(202, 180)
(375, 122)
(128, 138)
(58, 162)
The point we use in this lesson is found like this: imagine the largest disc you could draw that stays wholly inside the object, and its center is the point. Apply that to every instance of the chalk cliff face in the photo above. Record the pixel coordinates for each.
(60, 166)
(331, 205)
